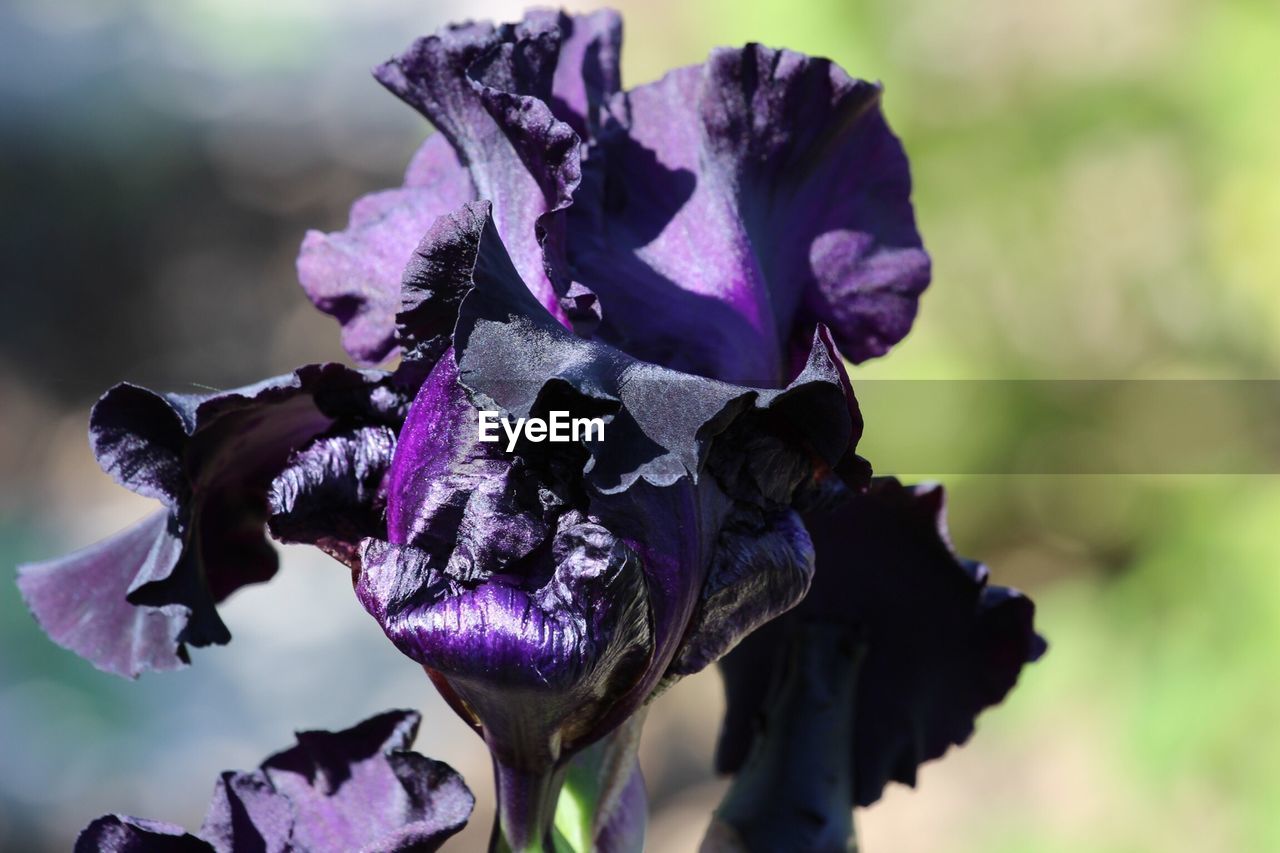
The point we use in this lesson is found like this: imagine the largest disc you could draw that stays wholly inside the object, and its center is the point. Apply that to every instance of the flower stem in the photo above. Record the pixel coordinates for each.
(602, 804)
(526, 808)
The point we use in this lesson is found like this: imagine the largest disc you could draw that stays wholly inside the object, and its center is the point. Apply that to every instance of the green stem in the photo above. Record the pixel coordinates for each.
(603, 794)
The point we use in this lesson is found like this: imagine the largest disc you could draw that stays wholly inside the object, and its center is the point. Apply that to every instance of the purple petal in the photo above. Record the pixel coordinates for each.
(139, 439)
(436, 279)
(510, 103)
(81, 600)
(537, 652)
(587, 71)
(793, 790)
(136, 601)
(354, 275)
(355, 789)
(122, 834)
(333, 792)
(330, 493)
(247, 814)
(447, 488)
(940, 644)
(762, 568)
(730, 207)
(486, 90)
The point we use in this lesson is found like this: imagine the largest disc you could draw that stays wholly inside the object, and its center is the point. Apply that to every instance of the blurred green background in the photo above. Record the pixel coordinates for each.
(1099, 185)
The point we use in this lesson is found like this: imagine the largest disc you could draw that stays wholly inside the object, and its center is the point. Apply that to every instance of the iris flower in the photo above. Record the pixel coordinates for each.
(689, 261)
(551, 591)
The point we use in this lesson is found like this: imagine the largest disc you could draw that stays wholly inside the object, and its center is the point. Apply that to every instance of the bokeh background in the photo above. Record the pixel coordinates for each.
(1098, 182)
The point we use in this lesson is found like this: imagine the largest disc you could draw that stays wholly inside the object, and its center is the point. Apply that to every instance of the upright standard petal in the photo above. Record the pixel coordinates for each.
(136, 601)
(510, 103)
(729, 207)
(487, 89)
(587, 68)
(358, 789)
(716, 216)
(940, 645)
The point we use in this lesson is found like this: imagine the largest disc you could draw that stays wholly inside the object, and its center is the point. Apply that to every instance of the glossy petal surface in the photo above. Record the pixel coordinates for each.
(330, 493)
(571, 572)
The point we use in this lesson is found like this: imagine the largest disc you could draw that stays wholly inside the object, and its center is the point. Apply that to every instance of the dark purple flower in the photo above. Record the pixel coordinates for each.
(714, 217)
(685, 262)
(550, 591)
(358, 789)
(930, 646)
(136, 601)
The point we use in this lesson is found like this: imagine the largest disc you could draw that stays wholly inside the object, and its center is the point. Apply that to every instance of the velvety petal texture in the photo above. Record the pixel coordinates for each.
(730, 206)
(792, 792)
(136, 601)
(358, 789)
(940, 645)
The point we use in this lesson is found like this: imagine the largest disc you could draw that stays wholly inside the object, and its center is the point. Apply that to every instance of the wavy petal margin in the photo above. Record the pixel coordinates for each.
(940, 644)
(358, 789)
(136, 601)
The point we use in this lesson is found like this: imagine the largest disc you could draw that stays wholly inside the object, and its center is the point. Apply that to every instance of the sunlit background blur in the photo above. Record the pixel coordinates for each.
(1098, 182)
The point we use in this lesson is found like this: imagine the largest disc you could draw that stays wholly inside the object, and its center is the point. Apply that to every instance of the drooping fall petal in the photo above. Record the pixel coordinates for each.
(136, 601)
(940, 644)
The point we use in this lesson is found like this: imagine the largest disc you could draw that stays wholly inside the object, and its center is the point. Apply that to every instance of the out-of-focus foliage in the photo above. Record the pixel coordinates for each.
(1098, 182)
